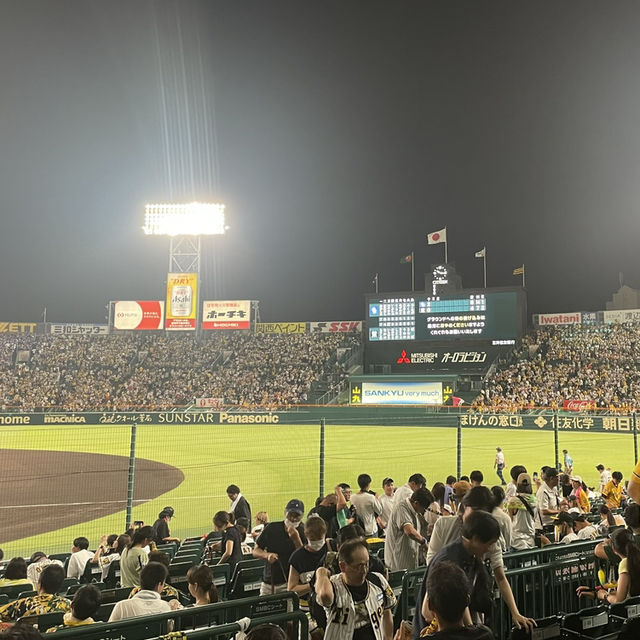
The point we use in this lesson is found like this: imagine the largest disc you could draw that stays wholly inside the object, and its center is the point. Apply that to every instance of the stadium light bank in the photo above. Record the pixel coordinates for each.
(191, 219)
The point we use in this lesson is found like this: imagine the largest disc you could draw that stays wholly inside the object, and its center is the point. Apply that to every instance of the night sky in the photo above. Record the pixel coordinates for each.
(337, 133)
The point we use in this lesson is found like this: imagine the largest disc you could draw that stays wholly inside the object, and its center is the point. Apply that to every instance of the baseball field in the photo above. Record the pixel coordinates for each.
(59, 482)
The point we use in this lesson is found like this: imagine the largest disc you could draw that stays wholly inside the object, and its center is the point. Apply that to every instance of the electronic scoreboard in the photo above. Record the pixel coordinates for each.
(480, 315)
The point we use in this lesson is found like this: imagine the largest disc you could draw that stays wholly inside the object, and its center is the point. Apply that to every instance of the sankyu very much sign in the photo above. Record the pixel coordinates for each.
(336, 326)
(182, 291)
(138, 315)
(226, 314)
(75, 329)
(400, 393)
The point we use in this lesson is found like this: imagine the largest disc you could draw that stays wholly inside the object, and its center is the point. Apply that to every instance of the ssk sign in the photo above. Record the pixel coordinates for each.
(337, 326)
(578, 405)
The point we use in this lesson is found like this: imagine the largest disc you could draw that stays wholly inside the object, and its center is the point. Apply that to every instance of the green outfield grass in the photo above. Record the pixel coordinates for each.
(272, 464)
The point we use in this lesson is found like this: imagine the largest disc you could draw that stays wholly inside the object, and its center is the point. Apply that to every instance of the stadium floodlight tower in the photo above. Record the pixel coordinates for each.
(185, 224)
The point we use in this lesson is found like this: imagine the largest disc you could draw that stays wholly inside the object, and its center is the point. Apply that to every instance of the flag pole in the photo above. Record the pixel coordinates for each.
(446, 247)
(484, 265)
(413, 273)
(523, 276)
(376, 281)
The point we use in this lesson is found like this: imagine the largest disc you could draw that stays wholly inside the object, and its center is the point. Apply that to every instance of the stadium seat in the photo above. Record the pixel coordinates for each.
(66, 583)
(43, 621)
(92, 572)
(15, 590)
(546, 629)
(395, 581)
(112, 578)
(63, 557)
(104, 612)
(222, 579)
(630, 608)
(247, 583)
(630, 629)
(248, 564)
(590, 623)
(177, 569)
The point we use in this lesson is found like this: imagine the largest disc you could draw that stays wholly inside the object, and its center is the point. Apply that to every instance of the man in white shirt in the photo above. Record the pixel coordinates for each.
(416, 481)
(498, 465)
(80, 555)
(367, 506)
(147, 601)
(37, 563)
(547, 498)
(386, 501)
(605, 476)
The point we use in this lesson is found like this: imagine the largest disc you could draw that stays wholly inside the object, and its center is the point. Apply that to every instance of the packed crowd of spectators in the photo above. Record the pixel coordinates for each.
(597, 364)
(125, 372)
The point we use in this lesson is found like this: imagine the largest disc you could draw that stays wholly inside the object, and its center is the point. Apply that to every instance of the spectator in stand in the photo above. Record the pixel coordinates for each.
(110, 550)
(448, 490)
(367, 505)
(231, 541)
(276, 544)
(604, 550)
(511, 489)
(404, 539)
(329, 507)
(477, 478)
(47, 599)
(522, 509)
(84, 605)
(167, 591)
(386, 502)
(574, 527)
(580, 492)
(605, 477)
(201, 586)
(626, 548)
(547, 499)
(305, 560)
(262, 518)
(416, 481)
(161, 527)
(608, 520)
(449, 594)
(134, 557)
(21, 632)
(239, 505)
(564, 485)
(80, 555)
(499, 513)
(368, 599)
(148, 600)
(15, 573)
(613, 491)
(38, 561)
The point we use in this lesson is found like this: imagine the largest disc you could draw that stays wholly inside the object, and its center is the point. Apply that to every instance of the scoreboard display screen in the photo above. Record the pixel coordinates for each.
(469, 316)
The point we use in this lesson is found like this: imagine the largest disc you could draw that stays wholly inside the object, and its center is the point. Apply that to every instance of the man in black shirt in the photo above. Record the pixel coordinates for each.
(161, 527)
(239, 505)
(276, 543)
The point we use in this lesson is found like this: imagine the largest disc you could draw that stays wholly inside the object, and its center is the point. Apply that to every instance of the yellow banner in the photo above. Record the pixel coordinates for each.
(281, 327)
(17, 327)
(182, 289)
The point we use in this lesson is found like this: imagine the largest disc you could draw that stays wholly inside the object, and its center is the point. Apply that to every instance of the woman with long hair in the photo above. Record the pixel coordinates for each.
(201, 585)
(231, 541)
(628, 551)
(110, 550)
(134, 556)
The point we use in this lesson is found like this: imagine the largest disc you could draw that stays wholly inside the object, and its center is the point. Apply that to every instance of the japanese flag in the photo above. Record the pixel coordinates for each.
(437, 236)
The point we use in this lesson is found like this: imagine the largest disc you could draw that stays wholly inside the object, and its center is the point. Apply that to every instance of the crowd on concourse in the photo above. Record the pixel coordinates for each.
(593, 363)
(121, 372)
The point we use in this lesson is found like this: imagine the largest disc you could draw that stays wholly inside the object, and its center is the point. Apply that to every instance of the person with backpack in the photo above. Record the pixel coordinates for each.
(522, 509)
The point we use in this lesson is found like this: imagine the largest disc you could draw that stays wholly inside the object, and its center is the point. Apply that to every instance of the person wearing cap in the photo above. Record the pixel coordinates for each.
(38, 561)
(402, 546)
(161, 527)
(575, 527)
(580, 492)
(276, 543)
(547, 498)
(605, 476)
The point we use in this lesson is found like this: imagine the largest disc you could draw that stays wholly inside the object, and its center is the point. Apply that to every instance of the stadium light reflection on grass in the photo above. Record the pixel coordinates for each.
(192, 219)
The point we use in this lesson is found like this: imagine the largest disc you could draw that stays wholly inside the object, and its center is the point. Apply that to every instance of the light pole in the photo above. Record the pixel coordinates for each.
(185, 224)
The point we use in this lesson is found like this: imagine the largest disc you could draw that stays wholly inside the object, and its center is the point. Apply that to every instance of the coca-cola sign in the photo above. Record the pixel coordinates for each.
(578, 405)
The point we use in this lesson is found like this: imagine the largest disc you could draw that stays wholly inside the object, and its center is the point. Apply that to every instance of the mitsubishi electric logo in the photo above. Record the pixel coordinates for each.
(403, 359)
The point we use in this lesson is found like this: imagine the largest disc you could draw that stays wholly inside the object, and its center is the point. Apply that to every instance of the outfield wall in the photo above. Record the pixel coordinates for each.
(369, 415)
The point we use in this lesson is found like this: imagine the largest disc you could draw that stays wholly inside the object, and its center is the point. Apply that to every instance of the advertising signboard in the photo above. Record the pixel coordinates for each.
(138, 315)
(181, 302)
(226, 314)
(77, 329)
(398, 393)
